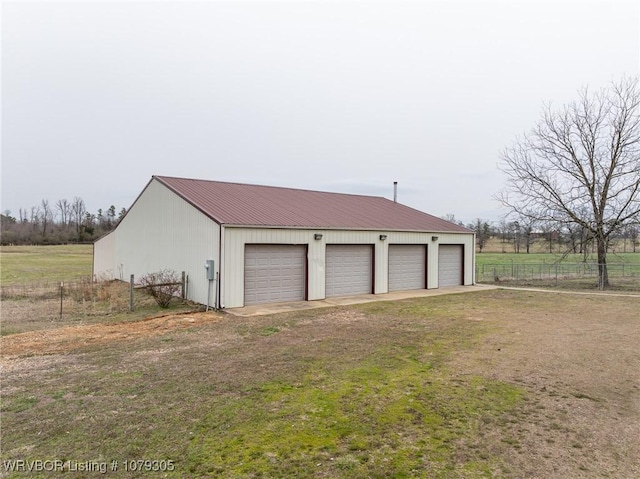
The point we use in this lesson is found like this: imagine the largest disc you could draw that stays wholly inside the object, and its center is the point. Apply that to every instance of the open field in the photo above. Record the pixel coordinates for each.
(556, 270)
(495, 245)
(508, 384)
(524, 258)
(44, 264)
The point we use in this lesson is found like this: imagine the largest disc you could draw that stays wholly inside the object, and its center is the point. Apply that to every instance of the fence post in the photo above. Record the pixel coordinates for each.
(131, 293)
(184, 285)
(61, 296)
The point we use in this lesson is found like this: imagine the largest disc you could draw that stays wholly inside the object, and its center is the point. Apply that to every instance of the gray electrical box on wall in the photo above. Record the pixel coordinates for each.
(210, 266)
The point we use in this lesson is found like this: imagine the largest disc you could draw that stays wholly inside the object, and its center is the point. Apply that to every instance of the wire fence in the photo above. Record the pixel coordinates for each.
(81, 288)
(622, 275)
(38, 305)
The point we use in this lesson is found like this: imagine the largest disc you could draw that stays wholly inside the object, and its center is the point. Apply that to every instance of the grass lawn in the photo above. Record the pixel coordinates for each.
(33, 264)
(523, 258)
(459, 386)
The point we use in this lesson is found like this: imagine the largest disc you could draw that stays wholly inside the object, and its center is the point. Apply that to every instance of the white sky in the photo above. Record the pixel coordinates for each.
(338, 96)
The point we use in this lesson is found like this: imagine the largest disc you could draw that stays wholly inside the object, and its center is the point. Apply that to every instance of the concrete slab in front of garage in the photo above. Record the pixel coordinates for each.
(274, 308)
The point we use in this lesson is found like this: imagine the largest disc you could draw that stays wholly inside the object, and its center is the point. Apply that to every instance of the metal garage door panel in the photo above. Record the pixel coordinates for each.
(407, 267)
(274, 273)
(349, 270)
(450, 265)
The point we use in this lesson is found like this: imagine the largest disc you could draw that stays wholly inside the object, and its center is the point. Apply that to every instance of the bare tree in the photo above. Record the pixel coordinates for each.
(527, 225)
(64, 207)
(78, 210)
(581, 164)
(46, 216)
(482, 230)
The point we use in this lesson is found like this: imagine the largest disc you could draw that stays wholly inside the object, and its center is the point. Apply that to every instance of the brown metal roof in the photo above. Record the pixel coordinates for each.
(255, 205)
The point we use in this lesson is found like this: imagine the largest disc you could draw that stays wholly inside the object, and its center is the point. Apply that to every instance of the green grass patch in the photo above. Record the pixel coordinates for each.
(390, 416)
(19, 403)
(32, 264)
(548, 258)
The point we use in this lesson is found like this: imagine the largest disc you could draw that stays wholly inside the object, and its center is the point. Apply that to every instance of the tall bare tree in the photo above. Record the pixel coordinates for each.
(46, 216)
(64, 207)
(78, 210)
(581, 164)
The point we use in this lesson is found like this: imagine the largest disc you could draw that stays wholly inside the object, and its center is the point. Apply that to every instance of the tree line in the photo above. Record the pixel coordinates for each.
(63, 222)
(519, 236)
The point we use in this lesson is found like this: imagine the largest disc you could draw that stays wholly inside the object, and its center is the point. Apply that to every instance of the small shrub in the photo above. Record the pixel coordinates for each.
(162, 285)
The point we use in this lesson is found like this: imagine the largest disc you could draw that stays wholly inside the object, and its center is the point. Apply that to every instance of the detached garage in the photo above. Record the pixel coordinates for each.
(270, 244)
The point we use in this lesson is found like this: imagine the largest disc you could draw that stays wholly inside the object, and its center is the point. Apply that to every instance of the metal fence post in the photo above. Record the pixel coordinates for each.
(131, 282)
(184, 285)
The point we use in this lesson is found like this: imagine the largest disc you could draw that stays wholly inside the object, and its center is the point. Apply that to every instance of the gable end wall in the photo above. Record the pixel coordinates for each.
(160, 231)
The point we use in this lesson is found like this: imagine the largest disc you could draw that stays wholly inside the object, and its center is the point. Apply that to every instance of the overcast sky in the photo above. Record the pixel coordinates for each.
(337, 96)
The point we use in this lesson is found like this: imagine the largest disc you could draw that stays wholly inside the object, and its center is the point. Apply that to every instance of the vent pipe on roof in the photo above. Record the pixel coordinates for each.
(395, 191)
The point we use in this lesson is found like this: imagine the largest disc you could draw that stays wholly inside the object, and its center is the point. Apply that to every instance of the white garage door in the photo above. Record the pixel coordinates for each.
(450, 257)
(349, 270)
(407, 266)
(274, 273)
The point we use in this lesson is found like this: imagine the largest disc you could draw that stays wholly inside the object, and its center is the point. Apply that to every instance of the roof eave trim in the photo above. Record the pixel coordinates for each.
(339, 228)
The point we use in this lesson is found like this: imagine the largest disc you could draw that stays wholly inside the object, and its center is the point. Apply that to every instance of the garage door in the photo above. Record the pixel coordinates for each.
(450, 272)
(274, 273)
(407, 267)
(349, 270)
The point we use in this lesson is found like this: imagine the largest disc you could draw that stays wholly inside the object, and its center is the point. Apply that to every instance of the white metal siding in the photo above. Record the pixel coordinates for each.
(348, 269)
(450, 265)
(161, 231)
(274, 273)
(407, 267)
(235, 238)
(104, 258)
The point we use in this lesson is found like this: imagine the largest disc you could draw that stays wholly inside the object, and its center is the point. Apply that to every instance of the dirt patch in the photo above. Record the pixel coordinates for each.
(70, 338)
(578, 358)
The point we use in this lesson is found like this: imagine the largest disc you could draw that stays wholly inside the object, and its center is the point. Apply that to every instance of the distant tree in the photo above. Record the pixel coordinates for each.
(23, 217)
(78, 211)
(451, 218)
(521, 230)
(65, 222)
(482, 230)
(581, 164)
(64, 209)
(46, 217)
(111, 216)
(100, 219)
(632, 233)
(88, 227)
(123, 212)
(8, 234)
(34, 220)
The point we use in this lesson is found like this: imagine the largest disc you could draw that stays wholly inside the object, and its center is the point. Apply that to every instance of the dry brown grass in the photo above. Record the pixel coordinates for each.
(36, 307)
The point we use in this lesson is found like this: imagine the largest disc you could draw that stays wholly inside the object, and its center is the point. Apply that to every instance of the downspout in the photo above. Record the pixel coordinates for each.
(473, 256)
(219, 289)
